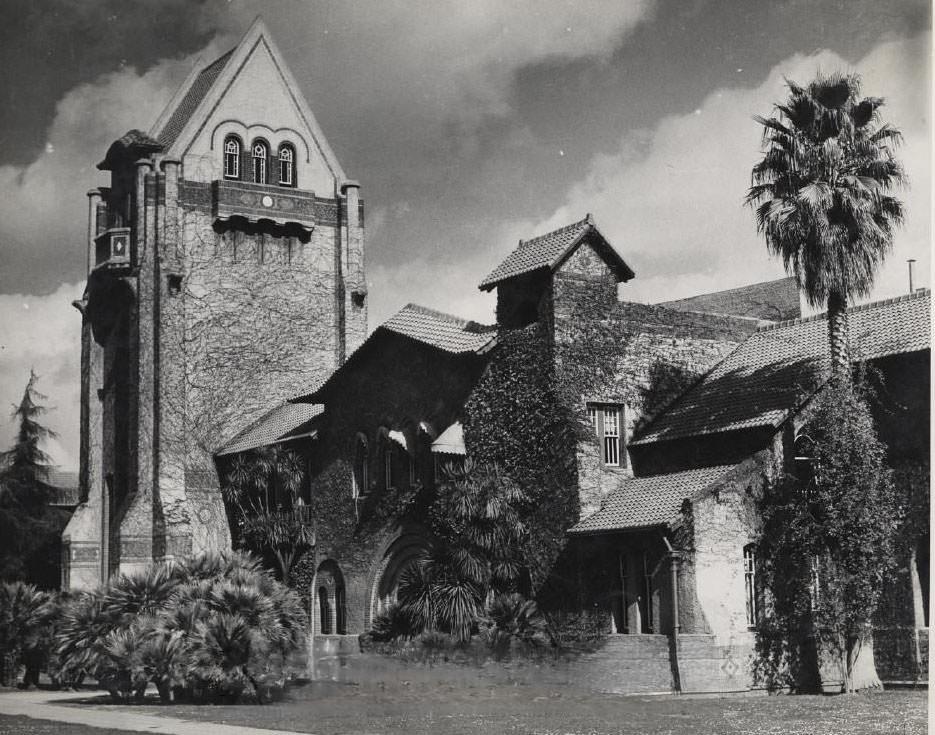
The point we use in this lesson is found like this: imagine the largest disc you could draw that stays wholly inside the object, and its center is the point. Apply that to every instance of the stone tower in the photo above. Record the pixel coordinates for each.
(225, 275)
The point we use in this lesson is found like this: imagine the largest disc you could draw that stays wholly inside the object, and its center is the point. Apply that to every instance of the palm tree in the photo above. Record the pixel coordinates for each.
(823, 195)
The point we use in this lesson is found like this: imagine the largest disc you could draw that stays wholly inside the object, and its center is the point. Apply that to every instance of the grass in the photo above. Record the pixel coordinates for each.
(327, 708)
(14, 725)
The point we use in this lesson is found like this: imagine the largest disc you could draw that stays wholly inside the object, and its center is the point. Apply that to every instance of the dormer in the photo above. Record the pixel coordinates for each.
(544, 269)
(240, 125)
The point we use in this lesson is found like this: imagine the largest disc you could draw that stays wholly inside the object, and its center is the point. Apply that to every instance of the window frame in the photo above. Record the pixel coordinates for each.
(598, 413)
(263, 160)
(236, 157)
(360, 474)
(290, 149)
(752, 605)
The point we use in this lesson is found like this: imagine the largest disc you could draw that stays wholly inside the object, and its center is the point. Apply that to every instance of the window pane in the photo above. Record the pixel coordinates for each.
(611, 454)
(593, 416)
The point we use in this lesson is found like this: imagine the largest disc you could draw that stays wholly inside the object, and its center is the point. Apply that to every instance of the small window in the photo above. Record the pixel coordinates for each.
(750, 588)
(231, 158)
(805, 464)
(361, 478)
(387, 464)
(260, 156)
(286, 165)
(606, 420)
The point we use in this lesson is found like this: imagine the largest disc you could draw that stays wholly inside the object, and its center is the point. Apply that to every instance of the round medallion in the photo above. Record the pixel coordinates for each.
(267, 201)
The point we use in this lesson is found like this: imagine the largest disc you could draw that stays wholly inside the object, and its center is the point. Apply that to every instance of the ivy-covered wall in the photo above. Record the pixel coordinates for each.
(393, 384)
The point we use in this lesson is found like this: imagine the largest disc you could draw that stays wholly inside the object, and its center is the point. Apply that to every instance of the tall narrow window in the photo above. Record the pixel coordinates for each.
(286, 165)
(231, 158)
(260, 155)
(647, 607)
(324, 611)
(749, 580)
(815, 582)
(361, 478)
(387, 465)
(606, 420)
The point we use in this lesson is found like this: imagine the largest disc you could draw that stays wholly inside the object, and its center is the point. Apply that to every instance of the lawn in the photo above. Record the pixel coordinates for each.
(418, 707)
(11, 725)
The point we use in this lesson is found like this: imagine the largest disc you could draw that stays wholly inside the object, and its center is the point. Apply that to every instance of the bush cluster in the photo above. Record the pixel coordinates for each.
(216, 627)
(26, 623)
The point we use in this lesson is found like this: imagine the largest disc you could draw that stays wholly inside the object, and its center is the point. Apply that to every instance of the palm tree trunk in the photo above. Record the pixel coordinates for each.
(838, 335)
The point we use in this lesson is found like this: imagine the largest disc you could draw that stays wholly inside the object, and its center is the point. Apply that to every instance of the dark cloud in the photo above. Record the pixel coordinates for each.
(48, 47)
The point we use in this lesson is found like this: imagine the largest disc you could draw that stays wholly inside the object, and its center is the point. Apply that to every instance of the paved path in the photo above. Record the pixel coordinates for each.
(46, 705)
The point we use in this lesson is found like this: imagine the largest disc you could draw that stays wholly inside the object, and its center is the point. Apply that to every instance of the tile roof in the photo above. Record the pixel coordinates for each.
(64, 487)
(547, 251)
(193, 97)
(648, 501)
(437, 329)
(771, 300)
(778, 366)
(272, 427)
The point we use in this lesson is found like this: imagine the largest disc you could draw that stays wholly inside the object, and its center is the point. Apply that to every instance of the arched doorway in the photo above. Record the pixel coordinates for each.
(399, 556)
(331, 610)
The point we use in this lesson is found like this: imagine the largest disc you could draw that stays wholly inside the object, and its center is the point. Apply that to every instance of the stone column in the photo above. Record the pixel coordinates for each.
(136, 523)
(355, 280)
(171, 501)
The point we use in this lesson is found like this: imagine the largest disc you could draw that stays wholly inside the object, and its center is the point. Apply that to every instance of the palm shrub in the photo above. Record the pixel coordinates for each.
(25, 617)
(478, 529)
(210, 625)
(512, 617)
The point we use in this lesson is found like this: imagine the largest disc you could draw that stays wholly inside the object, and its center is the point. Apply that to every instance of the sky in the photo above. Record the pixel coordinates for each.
(470, 125)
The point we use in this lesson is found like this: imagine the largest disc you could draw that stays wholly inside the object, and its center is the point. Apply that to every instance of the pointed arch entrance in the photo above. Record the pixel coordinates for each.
(330, 608)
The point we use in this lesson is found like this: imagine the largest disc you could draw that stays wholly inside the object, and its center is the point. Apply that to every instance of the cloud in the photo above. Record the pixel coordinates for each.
(43, 333)
(670, 198)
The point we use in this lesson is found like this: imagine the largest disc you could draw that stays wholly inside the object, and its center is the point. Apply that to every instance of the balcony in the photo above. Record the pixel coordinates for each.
(112, 250)
(258, 202)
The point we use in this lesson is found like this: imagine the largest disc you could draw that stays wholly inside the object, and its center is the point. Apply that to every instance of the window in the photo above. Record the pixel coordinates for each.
(749, 580)
(387, 464)
(814, 586)
(806, 468)
(324, 611)
(286, 165)
(646, 609)
(260, 154)
(231, 158)
(361, 477)
(607, 424)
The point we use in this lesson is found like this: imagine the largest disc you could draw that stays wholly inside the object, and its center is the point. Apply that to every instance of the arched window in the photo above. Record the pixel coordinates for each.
(324, 610)
(387, 464)
(805, 465)
(231, 157)
(340, 610)
(260, 156)
(286, 165)
(361, 478)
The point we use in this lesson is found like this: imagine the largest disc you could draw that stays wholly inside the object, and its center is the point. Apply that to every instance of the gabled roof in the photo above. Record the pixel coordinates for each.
(436, 329)
(193, 96)
(643, 502)
(551, 249)
(274, 426)
(779, 366)
(205, 87)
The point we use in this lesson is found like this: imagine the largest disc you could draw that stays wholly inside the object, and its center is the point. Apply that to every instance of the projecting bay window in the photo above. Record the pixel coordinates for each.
(607, 422)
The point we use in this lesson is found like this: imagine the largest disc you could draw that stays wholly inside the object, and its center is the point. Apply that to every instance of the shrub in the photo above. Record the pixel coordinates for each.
(512, 617)
(26, 616)
(209, 626)
(394, 622)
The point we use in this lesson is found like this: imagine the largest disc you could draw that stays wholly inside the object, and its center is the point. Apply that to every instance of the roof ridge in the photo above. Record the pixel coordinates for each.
(917, 294)
(588, 220)
(430, 312)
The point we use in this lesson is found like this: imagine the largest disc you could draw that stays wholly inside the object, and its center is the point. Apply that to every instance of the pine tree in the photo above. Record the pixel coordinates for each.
(29, 528)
